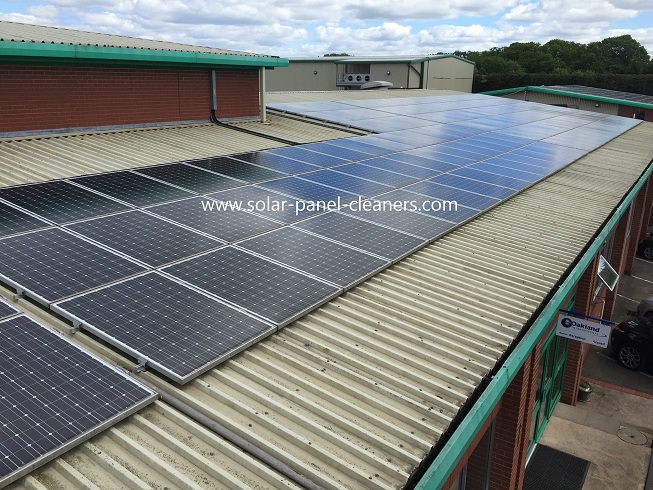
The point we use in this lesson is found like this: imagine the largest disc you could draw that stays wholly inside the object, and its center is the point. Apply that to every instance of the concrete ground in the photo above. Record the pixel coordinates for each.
(614, 428)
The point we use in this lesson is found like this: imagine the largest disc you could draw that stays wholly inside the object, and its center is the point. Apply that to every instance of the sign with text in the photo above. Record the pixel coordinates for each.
(587, 331)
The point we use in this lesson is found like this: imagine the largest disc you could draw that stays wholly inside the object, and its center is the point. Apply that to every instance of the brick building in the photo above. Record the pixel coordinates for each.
(439, 371)
(55, 78)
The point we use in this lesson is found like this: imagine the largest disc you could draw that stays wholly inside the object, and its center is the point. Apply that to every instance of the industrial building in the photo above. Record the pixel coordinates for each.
(592, 99)
(434, 72)
(439, 370)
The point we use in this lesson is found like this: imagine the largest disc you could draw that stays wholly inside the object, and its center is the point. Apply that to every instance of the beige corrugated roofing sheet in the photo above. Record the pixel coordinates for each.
(355, 394)
(19, 32)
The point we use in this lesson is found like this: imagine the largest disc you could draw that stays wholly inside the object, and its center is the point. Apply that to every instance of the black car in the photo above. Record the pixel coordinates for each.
(632, 343)
(645, 248)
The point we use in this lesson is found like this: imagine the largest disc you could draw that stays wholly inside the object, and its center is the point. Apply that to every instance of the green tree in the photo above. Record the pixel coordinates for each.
(621, 54)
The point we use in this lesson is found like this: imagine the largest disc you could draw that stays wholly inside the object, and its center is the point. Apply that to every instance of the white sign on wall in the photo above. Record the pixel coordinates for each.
(588, 331)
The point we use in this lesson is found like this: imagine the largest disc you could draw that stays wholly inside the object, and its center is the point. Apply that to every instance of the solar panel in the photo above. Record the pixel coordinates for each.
(317, 256)
(275, 162)
(144, 237)
(310, 191)
(60, 201)
(133, 188)
(437, 164)
(491, 178)
(237, 169)
(336, 154)
(437, 191)
(361, 234)
(354, 144)
(265, 203)
(442, 209)
(268, 290)
(191, 178)
(410, 170)
(14, 221)
(6, 309)
(416, 224)
(473, 185)
(304, 155)
(363, 171)
(178, 331)
(54, 395)
(348, 183)
(52, 264)
(203, 215)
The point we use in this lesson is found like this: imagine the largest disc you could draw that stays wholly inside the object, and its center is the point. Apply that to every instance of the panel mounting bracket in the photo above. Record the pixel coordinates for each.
(76, 327)
(141, 366)
(18, 294)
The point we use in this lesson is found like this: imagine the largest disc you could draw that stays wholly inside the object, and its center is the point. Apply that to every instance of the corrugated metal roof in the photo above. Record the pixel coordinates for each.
(415, 58)
(18, 32)
(355, 394)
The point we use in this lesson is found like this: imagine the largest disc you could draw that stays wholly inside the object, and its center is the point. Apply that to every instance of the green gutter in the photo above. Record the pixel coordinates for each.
(75, 54)
(446, 461)
(504, 91)
(564, 93)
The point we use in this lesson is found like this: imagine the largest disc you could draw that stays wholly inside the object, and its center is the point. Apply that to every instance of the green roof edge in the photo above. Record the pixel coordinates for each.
(447, 459)
(77, 54)
(553, 91)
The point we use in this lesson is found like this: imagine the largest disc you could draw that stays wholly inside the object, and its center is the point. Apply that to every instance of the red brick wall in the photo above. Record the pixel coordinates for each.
(628, 111)
(237, 93)
(33, 97)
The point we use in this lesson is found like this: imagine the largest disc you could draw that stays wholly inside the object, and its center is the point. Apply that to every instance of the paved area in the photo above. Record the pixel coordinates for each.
(614, 428)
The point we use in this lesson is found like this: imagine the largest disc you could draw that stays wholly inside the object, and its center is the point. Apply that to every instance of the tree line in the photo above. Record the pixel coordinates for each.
(616, 63)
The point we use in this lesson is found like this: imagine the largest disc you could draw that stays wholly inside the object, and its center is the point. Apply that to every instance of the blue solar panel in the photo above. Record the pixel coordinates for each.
(507, 172)
(354, 144)
(414, 171)
(347, 183)
(436, 207)
(376, 174)
(302, 154)
(538, 167)
(437, 164)
(275, 162)
(473, 185)
(466, 198)
(491, 178)
(337, 154)
(310, 191)
(440, 155)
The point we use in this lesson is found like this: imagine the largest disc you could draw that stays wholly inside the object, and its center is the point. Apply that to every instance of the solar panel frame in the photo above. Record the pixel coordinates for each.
(132, 188)
(80, 427)
(208, 272)
(334, 262)
(179, 293)
(39, 280)
(58, 201)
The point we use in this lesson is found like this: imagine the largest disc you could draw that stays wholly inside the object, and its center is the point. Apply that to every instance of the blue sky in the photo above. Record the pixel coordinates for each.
(359, 27)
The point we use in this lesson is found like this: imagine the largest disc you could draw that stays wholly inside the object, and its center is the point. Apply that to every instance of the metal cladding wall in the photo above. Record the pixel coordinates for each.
(449, 74)
(302, 76)
(551, 99)
(50, 97)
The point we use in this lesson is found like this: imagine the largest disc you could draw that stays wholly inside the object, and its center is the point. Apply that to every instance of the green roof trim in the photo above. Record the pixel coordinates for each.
(446, 461)
(575, 95)
(74, 54)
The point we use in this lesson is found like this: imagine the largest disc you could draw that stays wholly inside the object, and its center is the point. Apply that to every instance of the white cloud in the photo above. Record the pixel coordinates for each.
(580, 11)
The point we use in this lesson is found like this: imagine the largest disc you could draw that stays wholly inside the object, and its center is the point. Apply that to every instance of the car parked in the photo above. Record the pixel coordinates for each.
(645, 307)
(645, 248)
(632, 342)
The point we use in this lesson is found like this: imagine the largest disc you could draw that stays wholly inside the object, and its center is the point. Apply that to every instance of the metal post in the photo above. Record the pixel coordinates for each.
(261, 84)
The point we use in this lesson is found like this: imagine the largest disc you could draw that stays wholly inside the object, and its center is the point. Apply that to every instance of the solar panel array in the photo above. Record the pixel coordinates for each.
(183, 264)
(54, 395)
(605, 93)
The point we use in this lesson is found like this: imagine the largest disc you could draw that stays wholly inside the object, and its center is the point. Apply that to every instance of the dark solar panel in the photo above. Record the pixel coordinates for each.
(353, 144)
(410, 170)
(6, 309)
(269, 290)
(474, 185)
(440, 208)
(53, 396)
(265, 203)
(60, 201)
(317, 256)
(490, 178)
(361, 234)
(192, 178)
(179, 332)
(608, 94)
(392, 179)
(436, 164)
(275, 162)
(237, 169)
(202, 214)
(133, 188)
(304, 155)
(14, 221)
(437, 191)
(52, 264)
(416, 224)
(347, 183)
(144, 237)
(310, 191)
